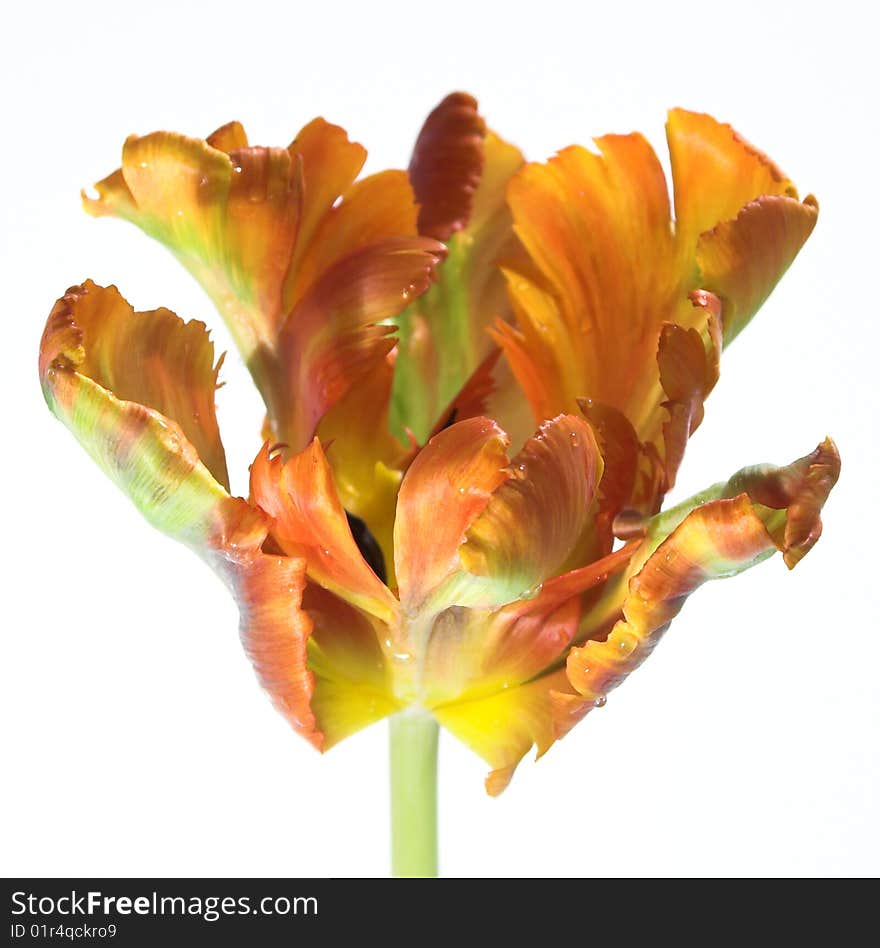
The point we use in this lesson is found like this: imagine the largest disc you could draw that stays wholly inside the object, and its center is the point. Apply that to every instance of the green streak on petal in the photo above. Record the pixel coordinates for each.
(430, 371)
(147, 457)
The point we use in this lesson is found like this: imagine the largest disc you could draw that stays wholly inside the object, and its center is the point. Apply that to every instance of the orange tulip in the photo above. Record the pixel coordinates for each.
(433, 523)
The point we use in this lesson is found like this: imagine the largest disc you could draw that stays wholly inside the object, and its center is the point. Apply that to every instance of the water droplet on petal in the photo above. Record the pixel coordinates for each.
(600, 702)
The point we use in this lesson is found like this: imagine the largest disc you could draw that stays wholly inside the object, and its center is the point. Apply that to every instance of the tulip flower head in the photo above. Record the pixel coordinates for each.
(480, 376)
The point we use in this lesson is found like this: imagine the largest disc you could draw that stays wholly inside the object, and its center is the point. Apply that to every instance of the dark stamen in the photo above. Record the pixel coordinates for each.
(366, 543)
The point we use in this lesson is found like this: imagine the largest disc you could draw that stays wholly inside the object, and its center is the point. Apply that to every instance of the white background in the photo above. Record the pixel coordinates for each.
(136, 741)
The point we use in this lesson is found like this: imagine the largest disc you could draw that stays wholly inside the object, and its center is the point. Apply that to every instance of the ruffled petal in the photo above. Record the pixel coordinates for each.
(503, 727)
(533, 520)
(366, 459)
(274, 629)
(743, 259)
(309, 522)
(597, 226)
(610, 270)
(447, 164)
(717, 534)
(300, 261)
(459, 172)
(715, 172)
(353, 678)
(378, 208)
(327, 163)
(229, 137)
(91, 347)
(689, 361)
(94, 339)
(443, 492)
(231, 218)
(335, 335)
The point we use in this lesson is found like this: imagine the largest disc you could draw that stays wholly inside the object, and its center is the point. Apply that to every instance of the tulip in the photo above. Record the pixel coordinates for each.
(480, 377)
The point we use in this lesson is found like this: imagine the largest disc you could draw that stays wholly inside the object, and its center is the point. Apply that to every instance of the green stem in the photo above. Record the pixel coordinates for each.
(414, 794)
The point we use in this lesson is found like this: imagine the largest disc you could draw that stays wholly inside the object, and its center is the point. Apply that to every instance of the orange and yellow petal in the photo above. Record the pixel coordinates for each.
(504, 726)
(715, 172)
(300, 260)
(310, 522)
(535, 519)
(365, 457)
(353, 677)
(337, 333)
(742, 259)
(137, 390)
(718, 534)
(459, 173)
(610, 268)
(689, 361)
(380, 207)
(98, 383)
(231, 218)
(326, 162)
(445, 489)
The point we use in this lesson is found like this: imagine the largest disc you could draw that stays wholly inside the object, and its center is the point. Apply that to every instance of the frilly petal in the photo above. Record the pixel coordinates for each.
(597, 226)
(459, 172)
(231, 218)
(717, 534)
(534, 519)
(445, 489)
(276, 236)
(353, 679)
(504, 726)
(715, 172)
(447, 164)
(99, 381)
(335, 335)
(743, 259)
(367, 460)
(309, 522)
(133, 367)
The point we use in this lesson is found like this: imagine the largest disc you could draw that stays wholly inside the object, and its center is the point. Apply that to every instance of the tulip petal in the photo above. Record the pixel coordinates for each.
(300, 261)
(743, 259)
(353, 679)
(311, 523)
(459, 173)
(597, 226)
(231, 219)
(534, 519)
(153, 359)
(274, 629)
(503, 727)
(229, 137)
(443, 492)
(717, 534)
(715, 172)
(377, 208)
(333, 338)
(94, 342)
(327, 163)
(688, 360)
(365, 457)
(447, 164)
(610, 269)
